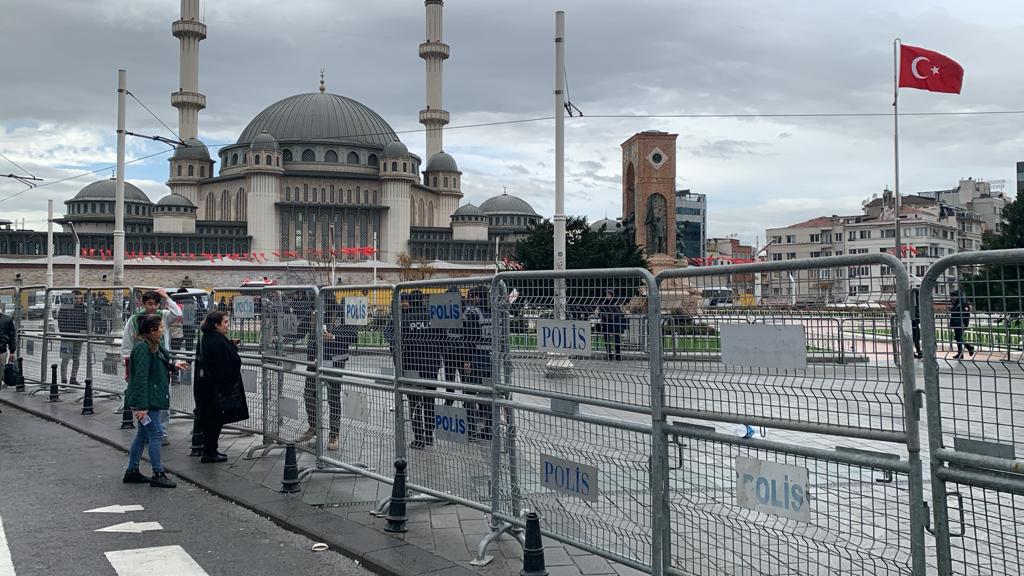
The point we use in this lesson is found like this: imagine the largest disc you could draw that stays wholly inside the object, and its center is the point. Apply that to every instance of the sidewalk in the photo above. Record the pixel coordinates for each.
(441, 538)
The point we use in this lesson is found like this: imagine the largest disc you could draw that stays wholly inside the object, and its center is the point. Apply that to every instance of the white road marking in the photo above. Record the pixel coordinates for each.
(6, 564)
(117, 509)
(132, 527)
(161, 561)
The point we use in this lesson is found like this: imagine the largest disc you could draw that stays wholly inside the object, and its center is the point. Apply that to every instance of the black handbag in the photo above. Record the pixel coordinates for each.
(10, 375)
(232, 405)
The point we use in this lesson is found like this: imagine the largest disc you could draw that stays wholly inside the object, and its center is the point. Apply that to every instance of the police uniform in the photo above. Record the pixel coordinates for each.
(478, 325)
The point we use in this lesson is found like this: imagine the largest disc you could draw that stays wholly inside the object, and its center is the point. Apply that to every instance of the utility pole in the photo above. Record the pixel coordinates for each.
(49, 244)
(559, 365)
(78, 254)
(119, 279)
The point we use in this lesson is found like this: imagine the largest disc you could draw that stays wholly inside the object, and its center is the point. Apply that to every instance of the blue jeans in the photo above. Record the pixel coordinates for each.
(151, 433)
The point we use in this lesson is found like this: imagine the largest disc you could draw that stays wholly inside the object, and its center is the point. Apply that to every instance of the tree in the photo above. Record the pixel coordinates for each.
(584, 247)
(410, 268)
(1012, 233)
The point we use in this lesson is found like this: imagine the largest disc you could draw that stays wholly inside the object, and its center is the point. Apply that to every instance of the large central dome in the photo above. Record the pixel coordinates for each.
(320, 117)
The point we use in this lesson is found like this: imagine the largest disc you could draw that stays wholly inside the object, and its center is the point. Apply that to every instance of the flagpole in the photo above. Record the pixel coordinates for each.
(896, 139)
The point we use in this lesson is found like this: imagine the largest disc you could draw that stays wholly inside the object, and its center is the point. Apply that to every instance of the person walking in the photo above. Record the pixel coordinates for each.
(72, 319)
(915, 322)
(8, 346)
(218, 390)
(959, 320)
(477, 329)
(421, 358)
(612, 324)
(338, 338)
(153, 302)
(148, 393)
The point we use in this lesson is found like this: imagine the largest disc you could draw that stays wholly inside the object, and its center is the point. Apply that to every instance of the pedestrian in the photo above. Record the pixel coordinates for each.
(147, 395)
(612, 325)
(8, 345)
(959, 320)
(915, 322)
(338, 338)
(421, 358)
(477, 329)
(218, 389)
(153, 302)
(73, 319)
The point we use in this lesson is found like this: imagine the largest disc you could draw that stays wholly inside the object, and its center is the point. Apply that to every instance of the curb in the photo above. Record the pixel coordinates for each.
(372, 549)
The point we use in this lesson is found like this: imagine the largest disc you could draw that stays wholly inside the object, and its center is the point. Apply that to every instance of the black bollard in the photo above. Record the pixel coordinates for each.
(127, 418)
(87, 399)
(533, 549)
(197, 436)
(396, 508)
(19, 385)
(290, 483)
(54, 388)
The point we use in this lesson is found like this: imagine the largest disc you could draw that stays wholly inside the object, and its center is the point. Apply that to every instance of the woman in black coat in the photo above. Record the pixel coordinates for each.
(218, 382)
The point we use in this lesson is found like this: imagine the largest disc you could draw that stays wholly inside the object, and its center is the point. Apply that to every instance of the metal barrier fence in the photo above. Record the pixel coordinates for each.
(31, 309)
(793, 456)
(971, 311)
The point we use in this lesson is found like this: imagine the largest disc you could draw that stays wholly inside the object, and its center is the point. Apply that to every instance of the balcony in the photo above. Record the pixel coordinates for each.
(431, 49)
(183, 28)
(433, 117)
(188, 99)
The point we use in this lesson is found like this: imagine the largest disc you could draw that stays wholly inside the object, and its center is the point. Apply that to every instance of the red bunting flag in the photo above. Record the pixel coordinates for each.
(927, 70)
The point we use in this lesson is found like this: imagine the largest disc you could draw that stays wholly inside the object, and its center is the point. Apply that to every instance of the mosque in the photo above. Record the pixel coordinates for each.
(312, 174)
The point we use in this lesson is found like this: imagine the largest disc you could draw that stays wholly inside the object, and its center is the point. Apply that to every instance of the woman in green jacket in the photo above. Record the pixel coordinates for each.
(148, 393)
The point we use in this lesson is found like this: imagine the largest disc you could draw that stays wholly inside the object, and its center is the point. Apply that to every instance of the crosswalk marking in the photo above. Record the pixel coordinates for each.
(6, 564)
(160, 561)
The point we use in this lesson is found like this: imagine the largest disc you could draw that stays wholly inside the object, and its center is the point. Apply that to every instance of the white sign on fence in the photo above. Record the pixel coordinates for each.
(568, 477)
(249, 381)
(289, 326)
(764, 346)
(445, 310)
(288, 408)
(357, 310)
(245, 307)
(564, 337)
(355, 406)
(451, 423)
(772, 488)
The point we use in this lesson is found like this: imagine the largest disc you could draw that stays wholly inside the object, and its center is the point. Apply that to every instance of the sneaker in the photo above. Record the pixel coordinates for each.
(133, 476)
(971, 351)
(958, 356)
(418, 445)
(160, 480)
(213, 459)
(332, 442)
(306, 436)
(164, 441)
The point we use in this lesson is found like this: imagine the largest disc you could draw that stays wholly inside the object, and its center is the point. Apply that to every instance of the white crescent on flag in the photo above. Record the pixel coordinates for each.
(913, 67)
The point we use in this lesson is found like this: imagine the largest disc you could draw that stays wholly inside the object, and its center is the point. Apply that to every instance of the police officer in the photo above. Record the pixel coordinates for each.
(421, 358)
(454, 353)
(477, 330)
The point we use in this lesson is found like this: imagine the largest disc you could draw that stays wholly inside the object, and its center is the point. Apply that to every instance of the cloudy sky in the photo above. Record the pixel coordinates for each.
(637, 58)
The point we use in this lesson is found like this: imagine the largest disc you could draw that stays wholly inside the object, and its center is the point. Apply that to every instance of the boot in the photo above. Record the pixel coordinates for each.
(160, 480)
(332, 442)
(306, 436)
(133, 476)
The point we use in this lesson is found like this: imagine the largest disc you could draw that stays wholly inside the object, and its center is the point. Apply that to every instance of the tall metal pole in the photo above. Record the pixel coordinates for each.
(119, 184)
(333, 252)
(375, 258)
(559, 221)
(49, 244)
(896, 139)
(78, 254)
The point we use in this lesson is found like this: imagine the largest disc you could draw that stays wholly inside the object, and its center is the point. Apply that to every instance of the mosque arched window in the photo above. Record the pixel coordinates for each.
(332, 194)
(211, 206)
(277, 161)
(430, 214)
(308, 156)
(240, 205)
(287, 154)
(455, 182)
(234, 159)
(287, 193)
(191, 170)
(267, 159)
(372, 160)
(179, 169)
(202, 171)
(445, 181)
(331, 157)
(353, 158)
(423, 212)
(348, 197)
(394, 166)
(225, 205)
(405, 167)
(412, 211)
(435, 182)
(256, 159)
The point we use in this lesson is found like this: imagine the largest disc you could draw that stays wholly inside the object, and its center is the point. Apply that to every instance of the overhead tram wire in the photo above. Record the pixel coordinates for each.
(134, 97)
(591, 116)
(19, 166)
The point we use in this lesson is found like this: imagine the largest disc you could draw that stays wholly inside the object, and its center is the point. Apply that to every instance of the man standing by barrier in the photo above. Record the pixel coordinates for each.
(153, 302)
(73, 319)
(8, 342)
(959, 320)
(455, 353)
(338, 337)
(421, 358)
(477, 328)
(613, 324)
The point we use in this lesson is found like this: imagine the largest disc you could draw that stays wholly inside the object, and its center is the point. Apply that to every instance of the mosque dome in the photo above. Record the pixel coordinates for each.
(263, 141)
(442, 162)
(610, 226)
(320, 117)
(395, 148)
(193, 149)
(508, 204)
(105, 190)
(172, 200)
(469, 210)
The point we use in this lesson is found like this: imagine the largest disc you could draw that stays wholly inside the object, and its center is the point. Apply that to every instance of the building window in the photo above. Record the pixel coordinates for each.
(791, 239)
(332, 194)
(394, 166)
(375, 197)
(331, 157)
(267, 159)
(790, 255)
(256, 159)
(888, 233)
(445, 181)
(305, 192)
(298, 231)
(179, 169)
(864, 234)
(815, 238)
(435, 182)
(277, 161)
(405, 167)
(234, 159)
(288, 194)
(371, 160)
(211, 206)
(191, 170)
(225, 205)
(308, 156)
(287, 154)
(202, 171)
(348, 197)
(776, 257)
(455, 182)
(412, 212)
(366, 196)
(430, 214)
(240, 205)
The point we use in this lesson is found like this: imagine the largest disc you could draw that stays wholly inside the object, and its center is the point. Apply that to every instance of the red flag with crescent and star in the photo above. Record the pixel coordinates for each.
(928, 70)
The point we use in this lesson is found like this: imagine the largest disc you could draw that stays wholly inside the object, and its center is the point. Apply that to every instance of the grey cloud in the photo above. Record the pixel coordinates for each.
(725, 149)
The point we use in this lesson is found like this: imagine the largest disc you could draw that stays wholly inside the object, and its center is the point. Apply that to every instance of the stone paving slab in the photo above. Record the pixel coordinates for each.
(441, 539)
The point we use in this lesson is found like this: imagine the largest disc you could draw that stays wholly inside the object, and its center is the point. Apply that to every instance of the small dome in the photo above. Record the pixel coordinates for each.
(469, 210)
(507, 204)
(610, 226)
(395, 148)
(263, 141)
(193, 149)
(173, 199)
(442, 161)
(104, 190)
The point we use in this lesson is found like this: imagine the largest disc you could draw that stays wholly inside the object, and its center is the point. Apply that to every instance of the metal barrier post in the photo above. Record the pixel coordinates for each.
(661, 525)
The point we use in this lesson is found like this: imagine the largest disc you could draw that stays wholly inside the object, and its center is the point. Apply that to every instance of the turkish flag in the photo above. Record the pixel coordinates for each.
(927, 70)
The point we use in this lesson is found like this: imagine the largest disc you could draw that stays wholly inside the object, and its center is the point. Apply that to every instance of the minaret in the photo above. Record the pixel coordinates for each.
(187, 99)
(434, 52)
